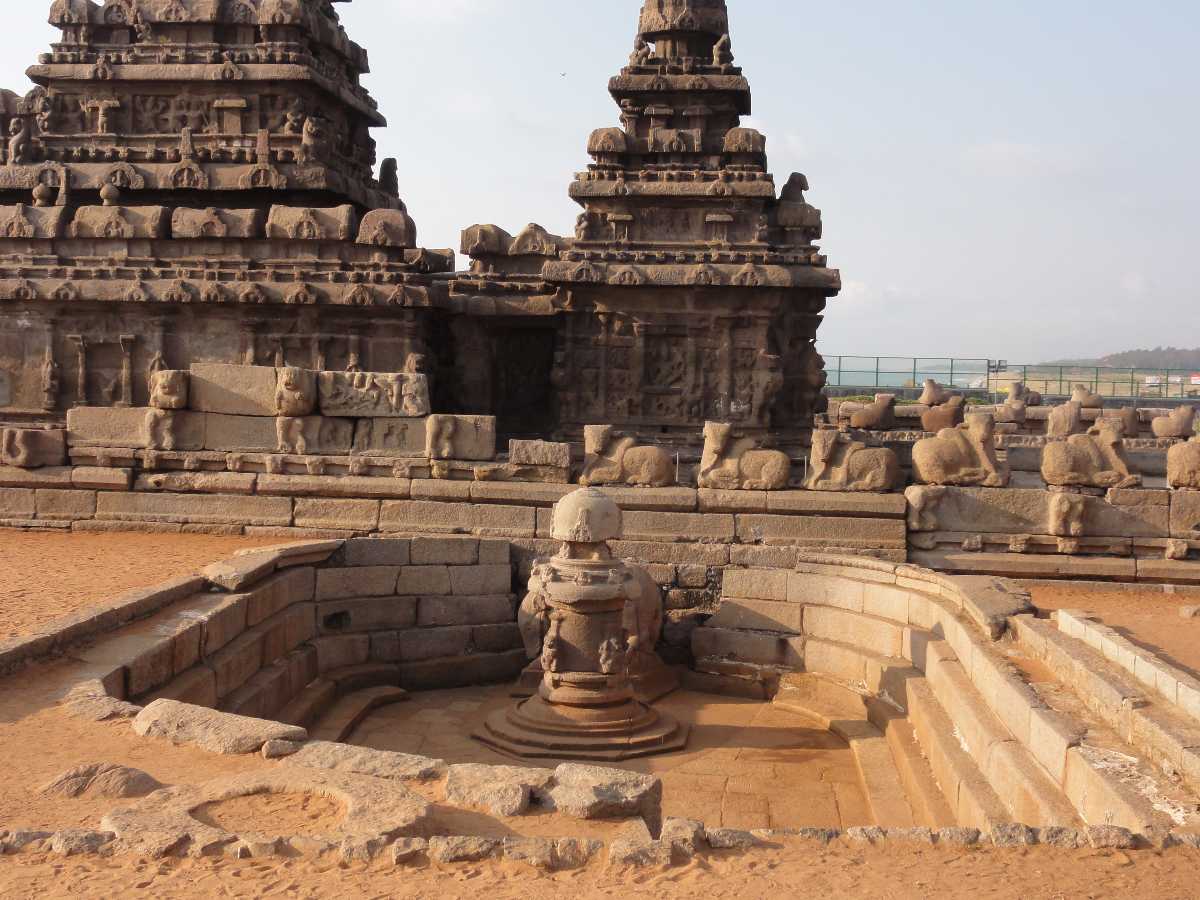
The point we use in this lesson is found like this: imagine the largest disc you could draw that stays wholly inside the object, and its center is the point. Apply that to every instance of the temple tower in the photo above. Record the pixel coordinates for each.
(692, 291)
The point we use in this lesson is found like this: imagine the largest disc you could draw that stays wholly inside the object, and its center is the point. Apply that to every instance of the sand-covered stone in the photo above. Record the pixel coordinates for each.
(462, 849)
(500, 790)
(101, 780)
(594, 792)
(364, 761)
(635, 846)
(216, 732)
(73, 841)
(551, 854)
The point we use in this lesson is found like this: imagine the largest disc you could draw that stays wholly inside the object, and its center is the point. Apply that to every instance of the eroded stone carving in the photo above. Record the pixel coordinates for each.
(736, 464)
(965, 455)
(460, 437)
(1183, 465)
(1086, 397)
(33, 448)
(946, 415)
(295, 392)
(169, 389)
(837, 462)
(373, 394)
(1067, 513)
(1065, 420)
(1181, 423)
(1096, 459)
(935, 394)
(877, 416)
(612, 459)
(923, 501)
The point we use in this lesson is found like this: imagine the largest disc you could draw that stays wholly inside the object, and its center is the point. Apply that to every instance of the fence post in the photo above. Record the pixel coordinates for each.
(877, 373)
(952, 371)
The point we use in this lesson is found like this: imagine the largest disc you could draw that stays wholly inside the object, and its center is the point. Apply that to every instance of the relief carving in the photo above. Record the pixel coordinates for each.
(373, 394)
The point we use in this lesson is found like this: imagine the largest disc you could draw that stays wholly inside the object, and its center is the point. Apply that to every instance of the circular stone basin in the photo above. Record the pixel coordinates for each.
(273, 814)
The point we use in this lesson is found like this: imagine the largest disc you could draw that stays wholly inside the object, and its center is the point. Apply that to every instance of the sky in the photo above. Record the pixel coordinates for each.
(1006, 180)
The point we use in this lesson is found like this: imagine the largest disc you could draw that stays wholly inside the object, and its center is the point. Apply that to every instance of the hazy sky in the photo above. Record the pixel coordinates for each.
(1009, 179)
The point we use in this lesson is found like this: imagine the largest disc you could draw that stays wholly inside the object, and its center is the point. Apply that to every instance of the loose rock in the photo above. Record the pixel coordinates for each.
(684, 837)
(634, 846)
(731, 839)
(1064, 838)
(462, 849)
(593, 792)
(364, 761)
(871, 834)
(1013, 836)
(407, 849)
(73, 841)
(280, 749)
(1110, 837)
(958, 837)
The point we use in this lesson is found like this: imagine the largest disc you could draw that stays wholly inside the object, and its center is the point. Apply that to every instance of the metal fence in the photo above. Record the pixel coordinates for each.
(995, 376)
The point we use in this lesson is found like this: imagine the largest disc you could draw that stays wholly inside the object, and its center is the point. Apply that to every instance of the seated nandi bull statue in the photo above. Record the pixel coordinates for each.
(965, 455)
(838, 463)
(934, 394)
(1179, 424)
(1086, 397)
(877, 416)
(1096, 459)
(611, 459)
(1183, 466)
(946, 415)
(733, 464)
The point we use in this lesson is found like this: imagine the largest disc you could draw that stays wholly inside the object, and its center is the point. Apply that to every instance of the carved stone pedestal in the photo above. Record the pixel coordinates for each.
(585, 706)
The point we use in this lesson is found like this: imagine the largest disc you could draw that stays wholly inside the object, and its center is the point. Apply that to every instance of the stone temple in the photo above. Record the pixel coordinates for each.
(591, 477)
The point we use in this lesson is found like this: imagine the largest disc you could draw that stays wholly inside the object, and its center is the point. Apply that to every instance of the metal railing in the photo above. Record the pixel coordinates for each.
(873, 373)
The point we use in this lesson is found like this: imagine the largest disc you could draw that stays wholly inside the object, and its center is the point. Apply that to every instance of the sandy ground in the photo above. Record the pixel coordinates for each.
(797, 870)
(1148, 618)
(45, 575)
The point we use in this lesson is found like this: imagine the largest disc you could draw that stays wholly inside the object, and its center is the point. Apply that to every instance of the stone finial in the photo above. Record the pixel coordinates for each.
(586, 516)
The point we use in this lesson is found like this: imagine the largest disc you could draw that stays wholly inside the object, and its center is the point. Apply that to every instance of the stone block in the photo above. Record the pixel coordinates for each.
(357, 581)
(461, 437)
(390, 437)
(287, 630)
(469, 581)
(302, 626)
(100, 479)
(251, 434)
(378, 552)
(350, 515)
(350, 486)
(424, 580)
(96, 426)
(755, 584)
(462, 671)
(759, 615)
(103, 222)
(235, 663)
(525, 493)
(498, 638)
(667, 499)
(197, 482)
(748, 647)
(420, 644)
(821, 531)
(340, 651)
(662, 552)
(887, 602)
(65, 505)
(439, 611)
(33, 448)
(245, 390)
(1051, 735)
(278, 593)
(367, 614)
(198, 686)
(1185, 515)
(504, 521)
(879, 636)
(203, 509)
(214, 731)
(442, 489)
(539, 453)
(454, 551)
(834, 503)
(417, 516)
(222, 623)
(670, 527)
(373, 394)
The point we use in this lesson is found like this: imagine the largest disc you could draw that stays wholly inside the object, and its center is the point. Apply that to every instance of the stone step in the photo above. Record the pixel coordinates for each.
(310, 704)
(349, 711)
(365, 675)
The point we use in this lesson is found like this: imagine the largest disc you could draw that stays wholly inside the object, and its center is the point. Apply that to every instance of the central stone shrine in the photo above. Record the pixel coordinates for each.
(584, 606)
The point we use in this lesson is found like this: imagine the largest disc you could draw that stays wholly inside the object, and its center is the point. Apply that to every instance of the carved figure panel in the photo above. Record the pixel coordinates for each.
(373, 394)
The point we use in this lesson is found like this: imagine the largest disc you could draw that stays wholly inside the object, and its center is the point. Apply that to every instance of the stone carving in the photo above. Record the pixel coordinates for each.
(935, 395)
(1065, 420)
(923, 501)
(613, 459)
(946, 415)
(877, 416)
(295, 392)
(1086, 397)
(577, 618)
(33, 448)
(460, 437)
(169, 389)
(1096, 459)
(1183, 466)
(965, 455)
(371, 394)
(729, 464)
(836, 462)
(51, 380)
(1179, 424)
(1067, 512)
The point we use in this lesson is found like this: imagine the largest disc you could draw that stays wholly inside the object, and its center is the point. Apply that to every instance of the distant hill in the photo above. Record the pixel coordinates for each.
(1159, 358)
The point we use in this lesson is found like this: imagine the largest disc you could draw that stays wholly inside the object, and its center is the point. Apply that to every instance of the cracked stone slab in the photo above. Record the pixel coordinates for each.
(73, 841)
(217, 732)
(376, 811)
(552, 854)
(462, 849)
(500, 790)
(365, 761)
(594, 792)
